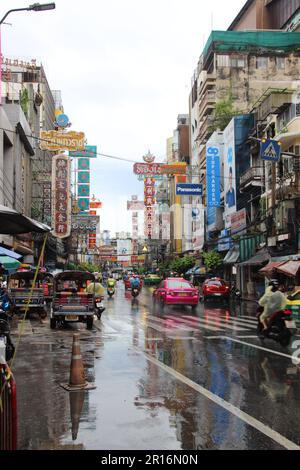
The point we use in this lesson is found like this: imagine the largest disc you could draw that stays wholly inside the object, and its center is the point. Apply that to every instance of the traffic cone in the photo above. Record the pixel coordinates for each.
(77, 375)
(76, 404)
(77, 379)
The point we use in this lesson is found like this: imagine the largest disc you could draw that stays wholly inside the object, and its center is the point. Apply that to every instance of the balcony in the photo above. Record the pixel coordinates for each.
(209, 80)
(206, 103)
(252, 177)
(273, 102)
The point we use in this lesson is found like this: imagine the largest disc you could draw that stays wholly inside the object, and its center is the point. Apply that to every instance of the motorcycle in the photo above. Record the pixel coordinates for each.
(281, 327)
(110, 291)
(135, 292)
(7, 348)
(99, 307)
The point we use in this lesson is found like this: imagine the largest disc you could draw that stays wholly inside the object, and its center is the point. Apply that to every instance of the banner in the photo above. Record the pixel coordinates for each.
(89, 151)
(123, 250)
(61, 209)
(229, 173)
(213, 192)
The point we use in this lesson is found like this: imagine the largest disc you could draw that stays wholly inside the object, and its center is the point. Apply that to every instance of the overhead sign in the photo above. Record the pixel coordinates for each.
(85, 223)
(147, 169)
(213, 193)
(61, 208)
(189, 189)
(58, 140)
(89, 151)
(270, 150)
(178, 168)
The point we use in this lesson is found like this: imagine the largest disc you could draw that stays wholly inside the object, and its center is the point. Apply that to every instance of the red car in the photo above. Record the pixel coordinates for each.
(176, 291)
(215, 287)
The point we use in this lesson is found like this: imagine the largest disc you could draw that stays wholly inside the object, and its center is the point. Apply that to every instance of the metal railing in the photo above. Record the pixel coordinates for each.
(254, 173)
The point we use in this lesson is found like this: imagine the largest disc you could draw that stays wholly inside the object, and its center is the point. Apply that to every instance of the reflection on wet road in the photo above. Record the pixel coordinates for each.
(166, 379)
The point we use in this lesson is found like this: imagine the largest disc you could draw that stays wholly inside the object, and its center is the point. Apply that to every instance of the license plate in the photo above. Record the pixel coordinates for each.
(98, 304)
(290, 324)
(182, 294)
(71, 317)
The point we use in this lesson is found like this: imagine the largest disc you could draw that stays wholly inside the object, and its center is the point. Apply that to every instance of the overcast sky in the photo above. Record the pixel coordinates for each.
(124, 68)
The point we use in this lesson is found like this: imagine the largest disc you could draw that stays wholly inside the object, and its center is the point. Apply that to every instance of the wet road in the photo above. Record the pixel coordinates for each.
(172, 379)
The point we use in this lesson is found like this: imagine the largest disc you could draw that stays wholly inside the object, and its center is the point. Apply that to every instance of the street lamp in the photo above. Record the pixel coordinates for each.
(34, 7)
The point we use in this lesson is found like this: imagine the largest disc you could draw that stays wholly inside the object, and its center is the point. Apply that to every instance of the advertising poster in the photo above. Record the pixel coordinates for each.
(124, 250)
(213, 175)
(229, 173)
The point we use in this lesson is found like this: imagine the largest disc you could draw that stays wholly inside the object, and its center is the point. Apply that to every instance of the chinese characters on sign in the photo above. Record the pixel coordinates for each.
(47, 202)
(149, 214)
(61, 208)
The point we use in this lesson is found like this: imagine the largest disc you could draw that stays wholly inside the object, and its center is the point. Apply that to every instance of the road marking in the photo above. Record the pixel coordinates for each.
(259, 347)
(258, 425)
(208, 327)
(241, 320)
(221, 325)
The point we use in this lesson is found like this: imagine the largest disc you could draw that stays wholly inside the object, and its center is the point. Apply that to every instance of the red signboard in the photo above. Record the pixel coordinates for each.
(147, 169)
(61, 209)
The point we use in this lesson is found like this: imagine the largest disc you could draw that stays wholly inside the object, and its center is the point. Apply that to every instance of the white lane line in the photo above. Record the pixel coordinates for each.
(198, 328)
(238, 323)
(217, 324)
(234, 319)
(260, 347)
(253, 422)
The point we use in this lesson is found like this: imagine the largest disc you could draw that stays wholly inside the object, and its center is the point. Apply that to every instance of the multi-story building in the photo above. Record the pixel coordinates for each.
(268, 14)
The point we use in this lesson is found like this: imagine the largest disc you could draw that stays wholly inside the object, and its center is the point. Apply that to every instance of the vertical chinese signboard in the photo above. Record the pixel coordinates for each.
(61, 207)
(149, 194)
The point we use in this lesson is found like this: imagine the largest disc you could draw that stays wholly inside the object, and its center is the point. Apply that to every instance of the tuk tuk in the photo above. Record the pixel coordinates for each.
(19, 288)
(71, 302)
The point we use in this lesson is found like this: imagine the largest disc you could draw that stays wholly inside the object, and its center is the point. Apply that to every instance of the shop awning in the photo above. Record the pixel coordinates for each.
(12, 223)
(232, 255)
(258, 259)
(270, 267)
(290, 268)
(9, 263)
(11, 254)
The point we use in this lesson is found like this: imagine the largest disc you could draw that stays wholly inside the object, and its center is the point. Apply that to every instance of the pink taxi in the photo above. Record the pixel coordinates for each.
(176, 291)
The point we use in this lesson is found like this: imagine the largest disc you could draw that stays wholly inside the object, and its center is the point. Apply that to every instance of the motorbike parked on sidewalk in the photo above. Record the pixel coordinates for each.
(281, 327)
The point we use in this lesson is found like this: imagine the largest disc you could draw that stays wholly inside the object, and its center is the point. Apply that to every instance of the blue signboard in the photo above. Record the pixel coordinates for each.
(213, 176)
(90, 151)
(183, 189)
(270, 150)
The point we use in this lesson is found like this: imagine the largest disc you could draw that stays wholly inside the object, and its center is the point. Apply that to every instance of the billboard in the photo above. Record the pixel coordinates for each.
(229, 173)
(213, 192)
(61, 208)
(59, 140)
(89, 151)
(124, 250)
(238, 221)
(189, 189)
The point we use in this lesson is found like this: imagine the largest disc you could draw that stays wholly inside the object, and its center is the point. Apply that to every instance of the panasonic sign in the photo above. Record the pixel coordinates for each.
(189, 189)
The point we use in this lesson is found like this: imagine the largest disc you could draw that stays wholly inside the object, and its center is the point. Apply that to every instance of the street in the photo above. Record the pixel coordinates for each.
(172, 379)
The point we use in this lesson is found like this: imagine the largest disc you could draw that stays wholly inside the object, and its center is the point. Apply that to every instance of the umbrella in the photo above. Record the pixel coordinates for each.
(12, 223)
(9, 263)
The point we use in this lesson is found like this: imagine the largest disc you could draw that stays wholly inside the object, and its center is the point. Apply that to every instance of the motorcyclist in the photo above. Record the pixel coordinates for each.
(96, 287)
(111, 282)
(135, 282)
(272, 301)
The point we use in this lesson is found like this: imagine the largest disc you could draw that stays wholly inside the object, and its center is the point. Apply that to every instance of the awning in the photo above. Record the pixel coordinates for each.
(258, 259)
(290, 268)
(11, 254)
(9, 263)
(269, 268)
(232, 255)
(12, 223)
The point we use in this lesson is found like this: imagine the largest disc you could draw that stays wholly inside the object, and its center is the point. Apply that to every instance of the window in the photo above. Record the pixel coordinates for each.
(178, 285)
(223, 61)
(237, 62)
(261, 62)
(280, 63)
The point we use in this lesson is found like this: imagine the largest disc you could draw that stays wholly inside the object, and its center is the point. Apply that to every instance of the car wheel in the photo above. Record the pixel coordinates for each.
(89, 323)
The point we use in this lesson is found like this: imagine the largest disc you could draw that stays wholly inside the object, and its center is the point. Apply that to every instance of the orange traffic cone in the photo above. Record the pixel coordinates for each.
(77, 379)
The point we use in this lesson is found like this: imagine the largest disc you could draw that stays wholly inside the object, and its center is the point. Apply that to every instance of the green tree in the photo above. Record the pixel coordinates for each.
(224, 112)
(182, 265)
(212, 260)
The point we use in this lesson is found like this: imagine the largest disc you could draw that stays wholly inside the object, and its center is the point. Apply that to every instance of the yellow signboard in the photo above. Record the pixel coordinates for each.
(57, 140)
(178, 168)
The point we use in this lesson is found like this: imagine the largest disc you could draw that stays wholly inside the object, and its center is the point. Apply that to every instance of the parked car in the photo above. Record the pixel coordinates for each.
(215, 287)
(176, 291)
